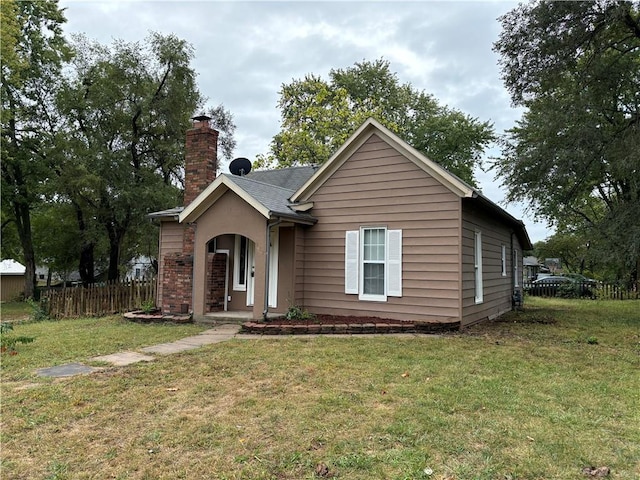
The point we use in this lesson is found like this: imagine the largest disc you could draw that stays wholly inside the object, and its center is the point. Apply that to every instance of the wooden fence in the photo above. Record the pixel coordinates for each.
(98, 299)
(599, 290)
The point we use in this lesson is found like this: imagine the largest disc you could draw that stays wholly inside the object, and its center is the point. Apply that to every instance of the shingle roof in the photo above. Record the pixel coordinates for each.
(291, 178)
(272, 197)
(172, 212)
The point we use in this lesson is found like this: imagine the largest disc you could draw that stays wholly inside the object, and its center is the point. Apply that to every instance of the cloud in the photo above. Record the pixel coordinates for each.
(245, 51)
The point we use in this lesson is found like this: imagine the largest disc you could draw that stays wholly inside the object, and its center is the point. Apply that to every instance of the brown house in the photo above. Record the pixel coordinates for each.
(378, 230)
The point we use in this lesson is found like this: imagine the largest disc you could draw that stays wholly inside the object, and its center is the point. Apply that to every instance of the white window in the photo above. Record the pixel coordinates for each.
(240, 264)
(477, 253)
(503, 260)
(516, 282)
(373, 263)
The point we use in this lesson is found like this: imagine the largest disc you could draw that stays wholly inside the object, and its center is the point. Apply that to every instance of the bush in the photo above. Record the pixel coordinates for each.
(297, 313)
(39, 311)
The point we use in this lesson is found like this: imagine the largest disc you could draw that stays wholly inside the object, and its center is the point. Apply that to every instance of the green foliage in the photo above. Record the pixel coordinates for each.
(8, 341)
(295, 312)
(319, 115)
(34, 51)
(148, 306)
(575, 154)
(39, 311)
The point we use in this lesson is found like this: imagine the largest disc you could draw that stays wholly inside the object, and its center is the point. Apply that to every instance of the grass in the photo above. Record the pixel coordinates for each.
(526, 397)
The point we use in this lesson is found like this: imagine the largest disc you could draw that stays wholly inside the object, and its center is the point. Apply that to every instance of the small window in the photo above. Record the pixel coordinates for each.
(240, 264)
(477, 253)
(503, 260)
(373, 263)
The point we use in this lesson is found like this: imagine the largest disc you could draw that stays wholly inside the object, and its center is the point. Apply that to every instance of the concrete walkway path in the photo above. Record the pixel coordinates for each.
(219, 333)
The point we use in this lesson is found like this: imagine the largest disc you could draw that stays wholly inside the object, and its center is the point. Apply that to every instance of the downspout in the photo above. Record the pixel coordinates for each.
(193, 268)
(266, 269)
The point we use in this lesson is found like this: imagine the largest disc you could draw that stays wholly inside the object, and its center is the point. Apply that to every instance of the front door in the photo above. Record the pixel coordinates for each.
(251, 272)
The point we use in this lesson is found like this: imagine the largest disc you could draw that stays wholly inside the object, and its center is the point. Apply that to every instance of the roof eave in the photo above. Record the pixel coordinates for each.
(361, 135)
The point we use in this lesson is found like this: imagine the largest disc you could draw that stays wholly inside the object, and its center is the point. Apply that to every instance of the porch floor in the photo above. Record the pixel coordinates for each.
(233, 317)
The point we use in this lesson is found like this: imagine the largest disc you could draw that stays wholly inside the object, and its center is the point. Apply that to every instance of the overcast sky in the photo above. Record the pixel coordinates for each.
(245, 51)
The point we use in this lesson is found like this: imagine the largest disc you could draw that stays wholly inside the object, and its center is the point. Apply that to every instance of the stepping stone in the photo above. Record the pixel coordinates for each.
(122, 359)
(66, 370)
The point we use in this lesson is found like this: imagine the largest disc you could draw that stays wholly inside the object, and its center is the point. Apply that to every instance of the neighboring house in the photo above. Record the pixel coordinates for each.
(140, 267)
(532, 268)
(379, 230)
(11, 280)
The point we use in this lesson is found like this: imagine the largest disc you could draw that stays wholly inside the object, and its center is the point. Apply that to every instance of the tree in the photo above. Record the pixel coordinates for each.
(318, 116)
(126, 110)
(33, 53)
(575, 154)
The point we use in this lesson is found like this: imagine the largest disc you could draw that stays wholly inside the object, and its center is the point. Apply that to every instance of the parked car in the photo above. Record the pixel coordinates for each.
(582, 279)
(559, 285)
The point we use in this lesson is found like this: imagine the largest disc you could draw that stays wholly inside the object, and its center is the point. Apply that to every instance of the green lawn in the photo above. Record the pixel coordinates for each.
(539, 394)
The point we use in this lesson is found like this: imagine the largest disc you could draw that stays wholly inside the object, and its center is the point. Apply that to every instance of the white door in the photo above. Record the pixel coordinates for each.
(251, 270)
(273, 268)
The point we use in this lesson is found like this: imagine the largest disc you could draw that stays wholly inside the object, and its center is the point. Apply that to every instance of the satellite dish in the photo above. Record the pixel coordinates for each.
(240, 166)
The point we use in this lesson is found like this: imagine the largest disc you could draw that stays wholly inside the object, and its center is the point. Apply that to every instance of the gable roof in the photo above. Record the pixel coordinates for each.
(11, 267)
(270, 200)
(446, 178)
(359, 137)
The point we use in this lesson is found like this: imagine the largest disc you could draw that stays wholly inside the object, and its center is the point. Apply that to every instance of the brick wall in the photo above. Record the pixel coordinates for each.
(177, 283)
(216, 272)
(201, 159)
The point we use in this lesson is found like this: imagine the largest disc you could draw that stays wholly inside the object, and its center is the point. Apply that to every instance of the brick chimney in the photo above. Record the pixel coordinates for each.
(201, 158)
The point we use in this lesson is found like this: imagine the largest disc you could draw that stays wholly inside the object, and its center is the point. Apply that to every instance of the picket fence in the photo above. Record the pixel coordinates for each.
(98, 299)
(601, 290)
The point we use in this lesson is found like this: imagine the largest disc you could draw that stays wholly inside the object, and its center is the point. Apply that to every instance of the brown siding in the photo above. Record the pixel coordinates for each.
(171, 233)
(497, 289)
(230, 215)
(11, 286)
(377, 186)
(299, 264)
(286, 262)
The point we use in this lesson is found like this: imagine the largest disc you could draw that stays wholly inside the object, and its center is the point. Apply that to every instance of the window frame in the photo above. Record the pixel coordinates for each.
(354, 263)
(240, 258)
(477, 267)
(503, 260)
(361, 266)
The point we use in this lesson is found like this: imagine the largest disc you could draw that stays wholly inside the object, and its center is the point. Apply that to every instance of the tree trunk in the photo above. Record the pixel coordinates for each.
(86, 263)
(23, 222)
(116, 237)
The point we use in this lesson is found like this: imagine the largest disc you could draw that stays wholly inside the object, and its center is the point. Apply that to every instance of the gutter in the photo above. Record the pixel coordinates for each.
(266, 269)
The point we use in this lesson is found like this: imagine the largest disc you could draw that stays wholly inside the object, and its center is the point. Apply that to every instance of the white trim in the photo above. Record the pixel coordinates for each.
(368, 296)
(361, 135)
(351, 261)
(393, 282)
(237, 251)
(503, 260)
(212, 193)
(477, 266)
(274, 238)
(516, 282)
(251, 269)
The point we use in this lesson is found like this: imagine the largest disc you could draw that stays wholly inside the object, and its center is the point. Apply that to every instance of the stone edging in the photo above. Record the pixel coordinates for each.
(274, 328)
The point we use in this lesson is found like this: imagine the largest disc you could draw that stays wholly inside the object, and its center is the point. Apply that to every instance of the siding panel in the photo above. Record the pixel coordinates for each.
(377, 186)
(497, 288)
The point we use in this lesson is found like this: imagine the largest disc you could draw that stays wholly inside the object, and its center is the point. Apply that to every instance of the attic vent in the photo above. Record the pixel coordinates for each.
(240, 166)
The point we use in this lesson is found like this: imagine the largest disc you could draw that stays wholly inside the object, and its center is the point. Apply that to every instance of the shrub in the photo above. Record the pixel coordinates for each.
(297, 313)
